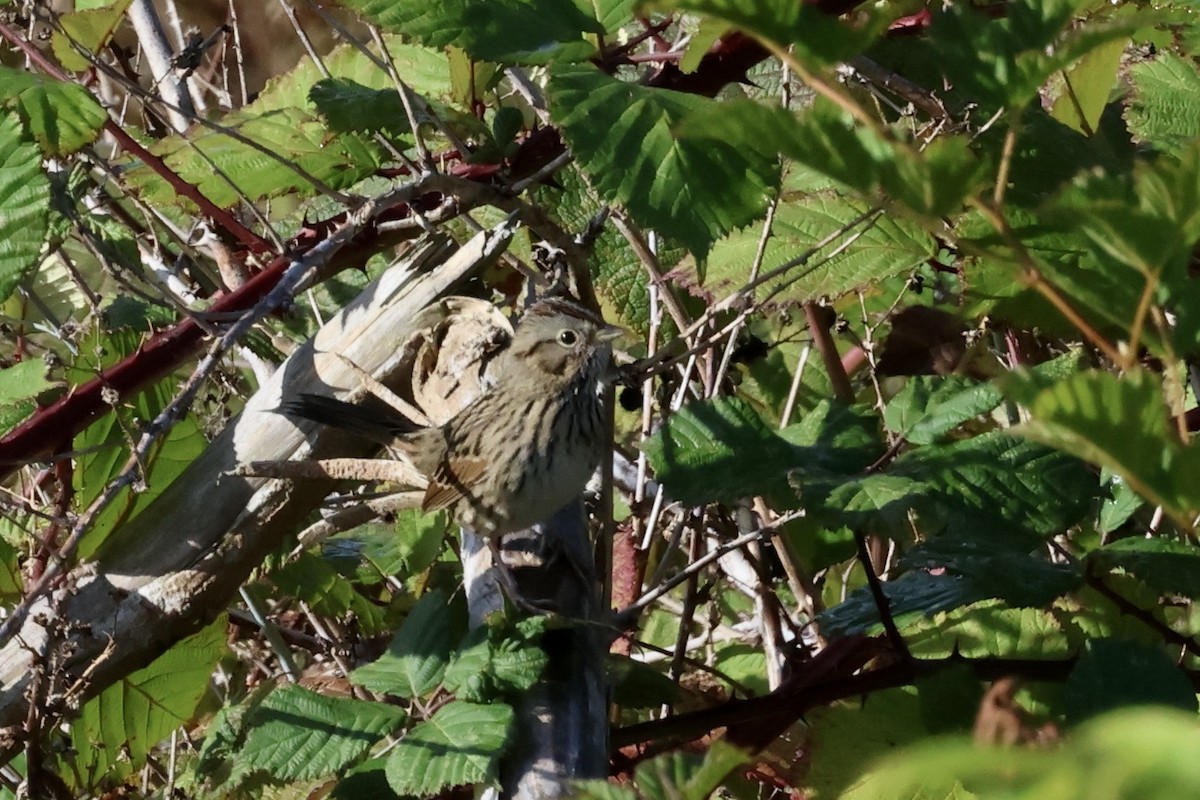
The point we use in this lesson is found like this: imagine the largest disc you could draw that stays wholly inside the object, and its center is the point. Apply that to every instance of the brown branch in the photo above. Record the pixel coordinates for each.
(833, 674)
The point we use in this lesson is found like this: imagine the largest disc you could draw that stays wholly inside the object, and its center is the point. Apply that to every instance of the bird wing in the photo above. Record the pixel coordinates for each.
(382, 425)
(449, 484)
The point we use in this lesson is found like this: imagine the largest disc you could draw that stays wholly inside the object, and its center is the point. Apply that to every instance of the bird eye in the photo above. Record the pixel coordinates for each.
(568, 338)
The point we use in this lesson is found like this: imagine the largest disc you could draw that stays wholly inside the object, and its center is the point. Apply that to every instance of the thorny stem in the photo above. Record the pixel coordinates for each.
(1033, 276)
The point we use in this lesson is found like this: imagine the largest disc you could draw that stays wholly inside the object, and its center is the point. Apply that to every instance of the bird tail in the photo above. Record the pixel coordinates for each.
(377, 426)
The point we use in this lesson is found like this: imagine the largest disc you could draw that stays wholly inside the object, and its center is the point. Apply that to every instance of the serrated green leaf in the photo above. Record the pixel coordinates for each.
(425, 71)
(989, 629)
(1005, 61)
(994, 484)
(818, 37)
(687, 776)
(953, 571)
(1163, 111)
(366, 781)
(867, 255)
(23, 381)
(492, 661)
(89, 29)
(1146, 223)
(989, 565)
(602, 790)
(12, 579)
(1087, 86)
(405, 548)
(720, 450)
(1134, 754)
(349, 106)
(24, 205)
(525, 31)
(847, 736)
(929, 406)
(122, 724)
(636, 684)
(315, 581)
(611, 14)
(297, 734)
(1116, 423)
(459, 745)
(281, 138)
(1165, 565)
(417, 656)
(629, 140)
(1113, 673)
(744, 663)
(1115, 511)
(932, 182)
(106, 441)
(61, 117)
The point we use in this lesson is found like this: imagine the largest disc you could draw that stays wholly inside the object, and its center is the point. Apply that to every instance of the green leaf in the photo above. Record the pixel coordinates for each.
(818, 37)
(459, 745)
(524, 31)
(846, 736)
(418, 654)
(933, 181)
(685, 776)
(630, 141)
(1165, 565)
(425, 71)
(1146, 222)
(1005, 61)
(990, 564)
(23, 381)
(1163, 112)
(993, 484)
(744, 663)
(106, 441)
(405, 548)
(61, 117)
(720, 450)
(1116, 510)
(990, 629)
(367, 781)
(297, 734)
(89, 29)
(1116, 423)
(1113, 673)
(350, 106)
(602, 790)
(717, 451)
(929, 406)
(24, 205)
(491, 661)
(1087, 86)
(891, 246)
(119, 727)
(220, 166)
(952, 571)
(12, 579)
(1132, 754)
(636, 684)
(331, 595)
(675, 776)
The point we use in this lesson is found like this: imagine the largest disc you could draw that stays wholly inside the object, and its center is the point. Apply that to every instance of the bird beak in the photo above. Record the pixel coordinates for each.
(610, 333)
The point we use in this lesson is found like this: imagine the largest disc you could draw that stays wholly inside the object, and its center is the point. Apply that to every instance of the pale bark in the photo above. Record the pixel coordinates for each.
(181, 561)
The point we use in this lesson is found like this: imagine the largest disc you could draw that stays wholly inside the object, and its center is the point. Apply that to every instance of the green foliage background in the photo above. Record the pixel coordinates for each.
(1019, 454)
